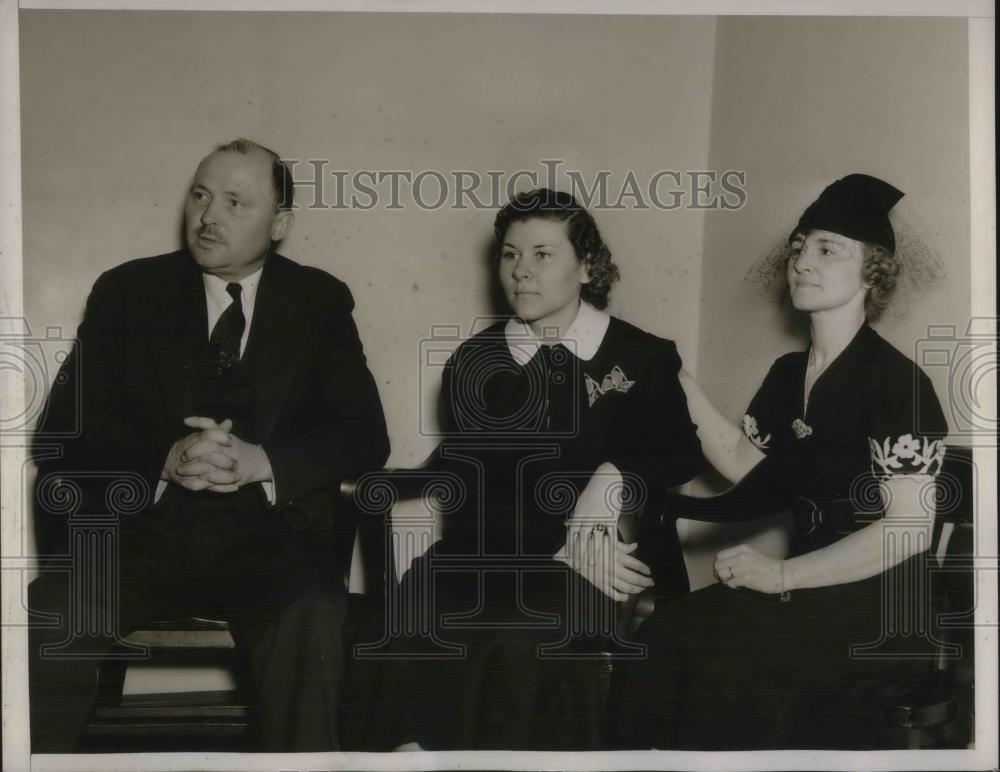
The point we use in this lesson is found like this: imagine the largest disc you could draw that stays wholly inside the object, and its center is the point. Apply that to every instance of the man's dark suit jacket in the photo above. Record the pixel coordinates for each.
(142, 356)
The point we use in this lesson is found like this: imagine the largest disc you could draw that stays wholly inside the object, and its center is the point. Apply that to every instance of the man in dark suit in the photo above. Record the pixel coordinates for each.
(224, 387)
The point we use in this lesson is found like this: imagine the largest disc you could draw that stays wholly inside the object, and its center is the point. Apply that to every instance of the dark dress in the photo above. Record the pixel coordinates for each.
(524, 438)
(738, 669)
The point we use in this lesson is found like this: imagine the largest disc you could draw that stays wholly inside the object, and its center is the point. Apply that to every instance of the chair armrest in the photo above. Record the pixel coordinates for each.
(187, 624)
(404, 482)
(380, 490)
(372, 497)
(765, 490)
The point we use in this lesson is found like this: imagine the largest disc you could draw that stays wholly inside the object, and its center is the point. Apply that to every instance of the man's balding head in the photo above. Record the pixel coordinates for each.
(238, 206)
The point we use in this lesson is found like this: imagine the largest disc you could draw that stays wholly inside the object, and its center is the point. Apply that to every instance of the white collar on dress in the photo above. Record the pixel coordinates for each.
(583, 337)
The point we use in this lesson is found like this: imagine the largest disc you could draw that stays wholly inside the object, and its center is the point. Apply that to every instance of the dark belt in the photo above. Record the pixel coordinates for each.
(840, 516)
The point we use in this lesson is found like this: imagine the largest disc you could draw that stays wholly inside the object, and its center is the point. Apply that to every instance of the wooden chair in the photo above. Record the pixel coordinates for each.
(936, 713)
(937, 710)
(217, 719)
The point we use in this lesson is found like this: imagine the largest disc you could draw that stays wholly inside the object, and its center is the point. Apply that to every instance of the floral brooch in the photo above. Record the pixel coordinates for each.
(616, 380)
(801, 429)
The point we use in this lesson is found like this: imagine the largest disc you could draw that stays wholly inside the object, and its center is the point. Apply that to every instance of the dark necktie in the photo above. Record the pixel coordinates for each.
(228, 332)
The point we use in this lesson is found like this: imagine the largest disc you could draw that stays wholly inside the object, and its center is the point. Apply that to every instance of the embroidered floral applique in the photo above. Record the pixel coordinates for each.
(753, 433)
(906, 447)
(906, 455)
(801, 429)
(616, 380)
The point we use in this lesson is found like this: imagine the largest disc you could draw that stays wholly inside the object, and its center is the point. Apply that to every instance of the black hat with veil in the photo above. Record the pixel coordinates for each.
(858, 206)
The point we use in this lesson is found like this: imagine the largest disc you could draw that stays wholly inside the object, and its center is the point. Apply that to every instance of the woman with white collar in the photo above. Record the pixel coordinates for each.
(558, 419)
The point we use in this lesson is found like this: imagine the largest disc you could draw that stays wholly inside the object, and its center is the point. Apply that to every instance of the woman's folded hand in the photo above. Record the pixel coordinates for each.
(592, 546)
(595, 553)
(743, 566)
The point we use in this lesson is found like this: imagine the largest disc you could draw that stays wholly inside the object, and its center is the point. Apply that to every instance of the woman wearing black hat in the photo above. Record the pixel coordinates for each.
(795, 652)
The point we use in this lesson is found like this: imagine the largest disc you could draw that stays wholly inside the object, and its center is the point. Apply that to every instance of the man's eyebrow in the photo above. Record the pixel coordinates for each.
(235, 193)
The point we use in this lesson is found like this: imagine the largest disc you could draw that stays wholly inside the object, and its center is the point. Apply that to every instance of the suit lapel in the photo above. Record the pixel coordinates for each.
(273, 348)
(178, 339)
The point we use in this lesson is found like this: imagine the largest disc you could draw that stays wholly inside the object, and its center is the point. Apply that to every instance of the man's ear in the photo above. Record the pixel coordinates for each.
(281, 224)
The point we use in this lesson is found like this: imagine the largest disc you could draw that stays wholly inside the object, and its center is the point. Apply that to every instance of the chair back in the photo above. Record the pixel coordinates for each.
(954, 497)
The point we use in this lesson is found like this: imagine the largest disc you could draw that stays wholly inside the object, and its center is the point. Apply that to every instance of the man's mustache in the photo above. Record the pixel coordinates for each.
(209, 233)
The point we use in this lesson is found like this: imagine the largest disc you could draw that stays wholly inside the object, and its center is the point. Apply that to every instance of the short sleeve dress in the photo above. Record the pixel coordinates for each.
(528, 425)
(737, 669)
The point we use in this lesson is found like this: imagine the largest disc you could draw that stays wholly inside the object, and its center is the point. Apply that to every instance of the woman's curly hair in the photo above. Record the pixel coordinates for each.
(581, 230)
(880, 270)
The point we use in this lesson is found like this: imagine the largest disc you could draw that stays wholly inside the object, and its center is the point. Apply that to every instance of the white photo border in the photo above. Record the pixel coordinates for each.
(16, 755)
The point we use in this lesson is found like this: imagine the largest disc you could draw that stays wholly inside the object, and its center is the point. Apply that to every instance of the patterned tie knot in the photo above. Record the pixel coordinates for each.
(228, 333)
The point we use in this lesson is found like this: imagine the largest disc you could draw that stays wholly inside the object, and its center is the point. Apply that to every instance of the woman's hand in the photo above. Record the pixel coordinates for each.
(592, 546)
(723, 442)
(743, 566)
(596, 554)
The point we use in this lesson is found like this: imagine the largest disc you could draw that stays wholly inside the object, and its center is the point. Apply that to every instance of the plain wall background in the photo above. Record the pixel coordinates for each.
(799, 103)
(118, 107)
